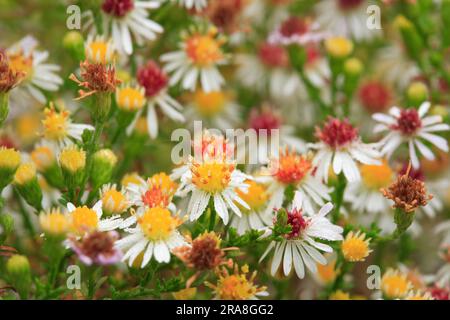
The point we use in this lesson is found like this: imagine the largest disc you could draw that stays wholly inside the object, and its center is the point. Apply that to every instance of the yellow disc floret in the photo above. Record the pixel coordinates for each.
(83, 219)
(209, 103)
(377, 176)
(394, 284)
(55, 124)
(130, 98)
(114, 201)
(256, 197)
(355, 247)
(54, 222)
(212, 176)
(73, 159)
(236, 286)
(204, 49)
(9, 158)
(158, 223)
(25, 173)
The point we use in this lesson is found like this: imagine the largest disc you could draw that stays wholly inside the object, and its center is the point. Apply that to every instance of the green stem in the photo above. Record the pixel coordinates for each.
(339, 197)
(212, 220)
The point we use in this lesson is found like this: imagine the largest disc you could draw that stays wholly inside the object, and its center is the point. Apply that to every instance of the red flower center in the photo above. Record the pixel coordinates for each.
(117, 8)
(408, 122)
(152, 78)
(297, 222)
(273, 56)
(154, 197)
(336, 133)
(265, 119)
(293, 26)
(349, 4)
(374, 96)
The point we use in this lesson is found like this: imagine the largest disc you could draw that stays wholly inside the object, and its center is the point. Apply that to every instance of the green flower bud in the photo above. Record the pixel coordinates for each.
(417, 93)
(103, 164)
(26, 183)
(73, 163)
(74, 42)
(7, 222)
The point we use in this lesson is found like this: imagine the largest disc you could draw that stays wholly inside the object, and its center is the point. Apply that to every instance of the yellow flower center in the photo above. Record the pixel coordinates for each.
(25, 173)
(84, 220)
(158, 224)
(130, 99)
(9, 158)
(376, 177)
(55, 124)
(209, 103)
(256, 197)
(355, 247)
(212, 176)
(19, 63)
(204, 50)
(394, 284)
(73, 159)
(326, 273)
(130, 178)
(42, 157)
(235, 287)
(99, 51)
(114, 201)
(163, 181)
(54, 222)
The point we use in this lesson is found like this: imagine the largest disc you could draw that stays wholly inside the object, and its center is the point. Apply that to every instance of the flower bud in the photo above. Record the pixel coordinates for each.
(18, 268)
(73, 41)
(73, 162)
(353, 67)
(410, 36)
(45, 161)
(7, 223)
(103, 164)
(417, 93)
(26, 183)
(338, 47)
(9, 162)
(54, 223)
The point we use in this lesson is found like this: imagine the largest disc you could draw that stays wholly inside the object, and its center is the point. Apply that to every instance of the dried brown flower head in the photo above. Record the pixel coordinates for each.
(407, 193)
(96, 78)
(224, 14)
(204, 253)
(8, 77)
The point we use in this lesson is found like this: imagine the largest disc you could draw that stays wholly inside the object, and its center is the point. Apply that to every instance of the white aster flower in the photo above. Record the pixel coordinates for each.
(124, 18)
(213, 176)
(340, 146)
(347, 18)
(155, 234)
(294, 169)
(256, 217)
(83, 220)
(198, 59)
(300, 247)
(413, 127)
(154, 81)
(58, 129)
